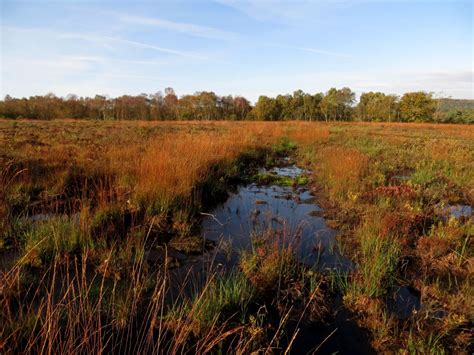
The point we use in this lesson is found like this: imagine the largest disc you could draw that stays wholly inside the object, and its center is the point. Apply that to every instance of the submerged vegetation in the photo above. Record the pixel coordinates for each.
(98, 220)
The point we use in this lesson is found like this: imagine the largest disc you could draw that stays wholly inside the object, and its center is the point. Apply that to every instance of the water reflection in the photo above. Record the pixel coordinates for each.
(253, 209)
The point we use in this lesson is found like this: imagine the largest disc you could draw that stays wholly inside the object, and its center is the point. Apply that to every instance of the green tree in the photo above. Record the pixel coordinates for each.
(312, 107)
(376, 106)
(207, 105)
(284, 102)
(417, 107)
(337, 104)
(266, 109)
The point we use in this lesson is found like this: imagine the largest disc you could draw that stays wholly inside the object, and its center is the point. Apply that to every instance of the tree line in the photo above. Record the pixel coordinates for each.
(334, 105)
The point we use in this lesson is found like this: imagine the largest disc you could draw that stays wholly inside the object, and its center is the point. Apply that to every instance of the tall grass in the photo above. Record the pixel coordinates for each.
(386, 184)
(114, 190)
(377, 259)
(81, 282)
(72, 309)
(342, 170)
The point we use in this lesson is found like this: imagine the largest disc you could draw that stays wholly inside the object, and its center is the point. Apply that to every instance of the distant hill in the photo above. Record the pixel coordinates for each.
(454, 111)
(446, 105)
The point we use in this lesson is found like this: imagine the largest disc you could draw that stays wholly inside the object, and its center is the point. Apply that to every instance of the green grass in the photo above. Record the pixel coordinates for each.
(222, 297)
(284, 146)
(392, 239)
(425, 345)
(378, 261)
(56, 236)
(279, 180)
(397, 237)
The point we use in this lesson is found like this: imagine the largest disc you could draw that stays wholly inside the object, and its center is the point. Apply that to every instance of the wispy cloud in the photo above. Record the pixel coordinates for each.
(455, 82)
(312, 50)
(106, 41)
(106, 60)
(134, 76)
(460, 76)
(323, 52)
(284, 12)
(180, 27)
(110, 40)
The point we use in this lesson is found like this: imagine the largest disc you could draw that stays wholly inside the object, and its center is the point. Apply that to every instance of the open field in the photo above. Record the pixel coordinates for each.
(102, 236)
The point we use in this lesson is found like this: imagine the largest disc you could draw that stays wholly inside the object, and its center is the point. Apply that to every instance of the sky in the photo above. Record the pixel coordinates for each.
(248, 48)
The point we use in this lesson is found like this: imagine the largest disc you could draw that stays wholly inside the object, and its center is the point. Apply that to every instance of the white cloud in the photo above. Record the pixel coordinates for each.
(456, 83)
(323, 52)
(108, 40)
(312, 50)
(460, 76)
(180, 27)
(104, 40)
(281, 11)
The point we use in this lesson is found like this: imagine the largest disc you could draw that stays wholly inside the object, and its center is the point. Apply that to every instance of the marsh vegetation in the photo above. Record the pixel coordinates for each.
(171, 237)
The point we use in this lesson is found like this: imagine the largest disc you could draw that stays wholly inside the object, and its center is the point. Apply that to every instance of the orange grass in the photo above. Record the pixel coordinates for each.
(95, 165)
(342, 169)
(74, 305)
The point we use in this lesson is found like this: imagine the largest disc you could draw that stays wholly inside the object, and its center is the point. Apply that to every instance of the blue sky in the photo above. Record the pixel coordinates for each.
(235, 47)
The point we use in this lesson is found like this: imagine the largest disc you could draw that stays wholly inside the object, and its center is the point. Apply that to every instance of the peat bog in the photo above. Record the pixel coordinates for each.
(176, 237)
